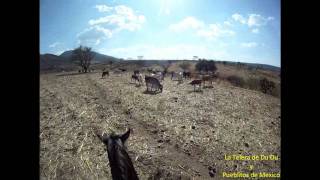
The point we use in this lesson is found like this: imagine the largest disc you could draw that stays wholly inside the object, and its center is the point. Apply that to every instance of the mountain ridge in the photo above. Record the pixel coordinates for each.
(63, 61)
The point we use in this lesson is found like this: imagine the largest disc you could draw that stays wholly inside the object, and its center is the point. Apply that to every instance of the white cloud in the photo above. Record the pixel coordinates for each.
(239, 18)
(215, 31)
(252, 20)
(93, 35)
(112, 19)
(227, 23)
(123, 17)
(53, 45)
(270, 18)
(103, 8)
(258, 20)
(249, 44)
(59, 52)
(57, 48)
(210, 31)
(118, 18)
(187, 23)
(256, 30)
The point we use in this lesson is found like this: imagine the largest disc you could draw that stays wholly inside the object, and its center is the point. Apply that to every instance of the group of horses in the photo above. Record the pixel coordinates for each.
(154, 78)
(83, 70)
(201, 81)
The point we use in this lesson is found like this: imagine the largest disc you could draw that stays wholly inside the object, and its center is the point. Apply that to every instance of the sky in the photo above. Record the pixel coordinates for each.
(231, 30)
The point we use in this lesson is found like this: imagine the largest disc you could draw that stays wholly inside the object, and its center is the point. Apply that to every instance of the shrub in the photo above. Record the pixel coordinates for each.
(185, 66)
(259, 84)
(236, 80)
(251, 68)
(253, 83)
(267, 86)
(276, 91)
(204, 65)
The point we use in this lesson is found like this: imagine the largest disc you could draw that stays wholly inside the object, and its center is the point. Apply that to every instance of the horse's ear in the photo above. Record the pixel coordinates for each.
(125, 136)
(103, 137)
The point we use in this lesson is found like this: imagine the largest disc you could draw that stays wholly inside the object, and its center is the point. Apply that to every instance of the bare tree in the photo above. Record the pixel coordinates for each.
(83, 56)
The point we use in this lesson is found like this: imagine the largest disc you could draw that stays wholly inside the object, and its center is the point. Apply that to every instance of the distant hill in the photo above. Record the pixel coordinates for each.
(53, 62)
(265, 66)
(98, 58)
(256, 65)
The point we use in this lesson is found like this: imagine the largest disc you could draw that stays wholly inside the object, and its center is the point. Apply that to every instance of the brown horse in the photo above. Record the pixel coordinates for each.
(187, 75)
(195, 83)
(104, 73)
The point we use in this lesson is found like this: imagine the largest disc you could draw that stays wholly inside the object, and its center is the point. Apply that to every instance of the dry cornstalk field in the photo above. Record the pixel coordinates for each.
(177, 134)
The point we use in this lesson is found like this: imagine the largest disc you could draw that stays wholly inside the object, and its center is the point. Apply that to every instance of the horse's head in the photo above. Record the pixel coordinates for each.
(112, 139)
(119, 160)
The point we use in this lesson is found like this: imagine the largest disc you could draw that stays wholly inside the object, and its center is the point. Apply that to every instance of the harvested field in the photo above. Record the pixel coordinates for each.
(177, 134)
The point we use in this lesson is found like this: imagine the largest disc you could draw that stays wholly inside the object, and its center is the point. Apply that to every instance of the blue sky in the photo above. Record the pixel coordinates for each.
(235, 30)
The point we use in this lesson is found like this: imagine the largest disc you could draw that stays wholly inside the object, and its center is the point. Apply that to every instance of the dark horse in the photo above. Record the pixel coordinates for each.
(135, 72)
(154, 82)
(186, 75)
(104, 73)
(119, 160)
(195, 83)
